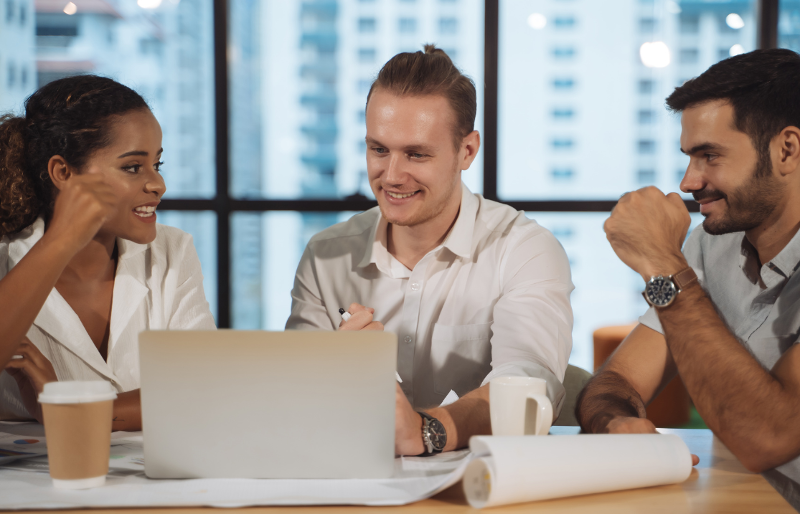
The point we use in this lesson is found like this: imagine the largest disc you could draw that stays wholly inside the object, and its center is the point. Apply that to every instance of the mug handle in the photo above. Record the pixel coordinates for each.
(538, 414)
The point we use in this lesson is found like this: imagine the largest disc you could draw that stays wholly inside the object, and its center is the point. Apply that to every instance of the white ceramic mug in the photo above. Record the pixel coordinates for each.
(519, 406)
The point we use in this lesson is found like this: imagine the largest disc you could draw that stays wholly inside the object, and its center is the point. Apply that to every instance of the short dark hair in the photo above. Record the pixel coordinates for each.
(431, 73)
(762, 86)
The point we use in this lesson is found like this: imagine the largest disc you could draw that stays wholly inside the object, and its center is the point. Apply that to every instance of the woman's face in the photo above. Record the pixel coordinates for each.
(131, 166)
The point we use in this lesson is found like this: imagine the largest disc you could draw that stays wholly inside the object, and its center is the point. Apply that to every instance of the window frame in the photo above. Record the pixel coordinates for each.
(224, 206)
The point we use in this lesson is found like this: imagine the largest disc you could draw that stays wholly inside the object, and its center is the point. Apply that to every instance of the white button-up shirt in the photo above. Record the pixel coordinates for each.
(156, 286)
(492, 300)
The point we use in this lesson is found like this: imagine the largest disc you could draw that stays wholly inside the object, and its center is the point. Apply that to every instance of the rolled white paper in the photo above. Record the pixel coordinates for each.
(529, 468)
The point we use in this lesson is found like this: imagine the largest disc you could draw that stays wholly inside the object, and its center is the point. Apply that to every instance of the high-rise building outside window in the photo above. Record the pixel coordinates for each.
(298, 71)
(307, 67)
(625, 139)
(164, 53)
(789, 25)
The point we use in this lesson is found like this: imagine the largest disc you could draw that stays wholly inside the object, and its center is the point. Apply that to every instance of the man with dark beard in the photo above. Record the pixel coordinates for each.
(725, 313)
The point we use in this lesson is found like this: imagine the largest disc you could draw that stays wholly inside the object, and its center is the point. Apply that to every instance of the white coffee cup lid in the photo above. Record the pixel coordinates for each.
(77, 391)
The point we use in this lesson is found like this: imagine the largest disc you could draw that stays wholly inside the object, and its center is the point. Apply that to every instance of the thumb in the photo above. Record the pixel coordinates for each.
(676, 200)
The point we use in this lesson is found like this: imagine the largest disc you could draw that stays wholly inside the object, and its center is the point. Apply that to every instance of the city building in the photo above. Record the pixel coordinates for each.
(17, 54)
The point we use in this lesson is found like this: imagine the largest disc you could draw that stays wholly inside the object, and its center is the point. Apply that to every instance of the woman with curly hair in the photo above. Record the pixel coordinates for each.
(83, 265)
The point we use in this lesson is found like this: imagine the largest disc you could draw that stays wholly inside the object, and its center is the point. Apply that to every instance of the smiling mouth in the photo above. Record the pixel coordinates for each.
(400, 196)
(145, 211)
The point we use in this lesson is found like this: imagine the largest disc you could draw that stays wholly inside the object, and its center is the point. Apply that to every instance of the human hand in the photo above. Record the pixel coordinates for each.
(360, 319)
(31, 373)
(625, 425)
(646, 230)
(83, 205)
(407, 426)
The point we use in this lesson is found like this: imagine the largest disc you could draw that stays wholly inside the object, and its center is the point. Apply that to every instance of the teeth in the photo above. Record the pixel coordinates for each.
(144, 211)
(400, 196)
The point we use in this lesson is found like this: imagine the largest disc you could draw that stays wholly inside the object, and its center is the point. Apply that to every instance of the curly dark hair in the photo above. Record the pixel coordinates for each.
(70, 117)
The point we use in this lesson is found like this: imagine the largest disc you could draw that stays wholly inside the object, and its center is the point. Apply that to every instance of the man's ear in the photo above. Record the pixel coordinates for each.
(469, 148)
(788, 147)
(59, 171)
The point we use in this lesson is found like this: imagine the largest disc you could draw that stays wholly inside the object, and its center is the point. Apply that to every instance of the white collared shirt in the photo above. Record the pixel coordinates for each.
(156, 286)
(492, 300)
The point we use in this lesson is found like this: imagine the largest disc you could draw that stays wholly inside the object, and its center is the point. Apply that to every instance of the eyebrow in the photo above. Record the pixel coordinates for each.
(701, 148)
(141, 153)
(408, 149)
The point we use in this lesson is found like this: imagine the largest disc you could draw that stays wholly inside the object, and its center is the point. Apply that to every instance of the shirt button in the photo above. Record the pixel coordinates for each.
(415, 286)
(407, 339)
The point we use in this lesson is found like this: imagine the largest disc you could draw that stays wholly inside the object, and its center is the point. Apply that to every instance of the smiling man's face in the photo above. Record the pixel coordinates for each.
(736, 188)
(413, 166)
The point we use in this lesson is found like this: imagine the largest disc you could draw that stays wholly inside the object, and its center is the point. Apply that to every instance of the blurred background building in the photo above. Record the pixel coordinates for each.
(581, 112)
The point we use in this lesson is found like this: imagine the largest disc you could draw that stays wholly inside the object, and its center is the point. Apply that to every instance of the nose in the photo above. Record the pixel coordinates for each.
(692, 180)
(155, 184)
(394, 173)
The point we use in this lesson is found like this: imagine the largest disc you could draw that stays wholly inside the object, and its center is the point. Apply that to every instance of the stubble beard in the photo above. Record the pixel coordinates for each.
(429, 211)
(749, 205)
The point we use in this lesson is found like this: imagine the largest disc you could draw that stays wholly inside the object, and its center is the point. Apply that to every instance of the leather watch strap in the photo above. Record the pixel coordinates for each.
(684, 278)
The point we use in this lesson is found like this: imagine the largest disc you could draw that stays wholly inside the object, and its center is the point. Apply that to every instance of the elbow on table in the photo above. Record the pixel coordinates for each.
(758, 458)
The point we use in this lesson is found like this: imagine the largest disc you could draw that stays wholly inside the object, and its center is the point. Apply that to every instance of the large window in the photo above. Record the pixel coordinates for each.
(162, 49)
(581, 116)
(298, 84)
(262, 107)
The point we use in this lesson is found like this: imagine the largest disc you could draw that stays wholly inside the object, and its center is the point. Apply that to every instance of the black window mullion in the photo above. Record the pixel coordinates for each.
(768, 23)
(490, 70)
(222, 200)
(223, 205)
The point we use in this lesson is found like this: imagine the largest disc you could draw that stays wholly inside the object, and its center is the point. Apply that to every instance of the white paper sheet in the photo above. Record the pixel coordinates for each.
(451, 397)
(27, 485)
(529, 468)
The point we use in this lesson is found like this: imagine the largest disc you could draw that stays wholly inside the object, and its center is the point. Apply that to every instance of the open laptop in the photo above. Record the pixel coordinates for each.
(253, 404)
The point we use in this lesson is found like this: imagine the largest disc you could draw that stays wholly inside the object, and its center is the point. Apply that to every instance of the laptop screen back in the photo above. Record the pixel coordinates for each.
(253, 404)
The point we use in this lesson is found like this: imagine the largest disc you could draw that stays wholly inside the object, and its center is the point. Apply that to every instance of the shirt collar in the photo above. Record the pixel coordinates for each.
(458, 241)
(788, 259)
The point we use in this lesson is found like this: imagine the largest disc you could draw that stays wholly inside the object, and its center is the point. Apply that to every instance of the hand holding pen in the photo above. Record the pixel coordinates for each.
(358, 317)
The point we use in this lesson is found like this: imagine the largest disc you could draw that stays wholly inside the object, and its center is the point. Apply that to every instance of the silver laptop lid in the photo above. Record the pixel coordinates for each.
(253, 404)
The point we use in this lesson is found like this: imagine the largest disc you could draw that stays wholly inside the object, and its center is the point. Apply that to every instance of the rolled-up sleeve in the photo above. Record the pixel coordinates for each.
(532, 319)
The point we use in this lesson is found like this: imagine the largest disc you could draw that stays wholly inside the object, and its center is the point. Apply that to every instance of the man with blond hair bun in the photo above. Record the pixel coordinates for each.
(473, 289)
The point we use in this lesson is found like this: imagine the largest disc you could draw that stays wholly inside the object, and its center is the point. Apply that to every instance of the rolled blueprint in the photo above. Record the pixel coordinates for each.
(529, 468)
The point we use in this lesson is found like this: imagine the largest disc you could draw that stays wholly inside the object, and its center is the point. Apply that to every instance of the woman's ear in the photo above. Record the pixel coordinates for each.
(59, 171)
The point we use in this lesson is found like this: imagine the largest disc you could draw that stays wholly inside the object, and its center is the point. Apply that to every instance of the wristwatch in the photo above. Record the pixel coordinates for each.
(661, 291)
(434, 436)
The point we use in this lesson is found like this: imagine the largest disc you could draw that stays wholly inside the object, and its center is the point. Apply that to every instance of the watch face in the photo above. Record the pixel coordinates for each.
(437, 435)
(660, 291)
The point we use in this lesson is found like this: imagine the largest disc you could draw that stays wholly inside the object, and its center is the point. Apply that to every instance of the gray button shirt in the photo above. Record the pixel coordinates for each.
(760, 305)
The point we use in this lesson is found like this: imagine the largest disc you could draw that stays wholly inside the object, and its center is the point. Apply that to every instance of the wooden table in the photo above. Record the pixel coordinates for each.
(718, 484)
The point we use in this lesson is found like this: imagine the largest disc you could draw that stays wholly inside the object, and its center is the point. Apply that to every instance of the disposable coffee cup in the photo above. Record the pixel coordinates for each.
(77, 428)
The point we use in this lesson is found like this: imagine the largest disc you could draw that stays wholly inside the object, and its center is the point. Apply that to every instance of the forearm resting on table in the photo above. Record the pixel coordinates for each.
(465, 418)
(754, 411)
(127, 412)
(608, 395)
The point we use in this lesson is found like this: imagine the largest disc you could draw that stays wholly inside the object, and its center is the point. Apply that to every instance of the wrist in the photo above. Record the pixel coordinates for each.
(669, 265)
(59, 246)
